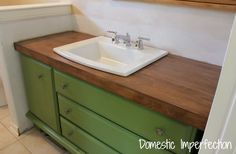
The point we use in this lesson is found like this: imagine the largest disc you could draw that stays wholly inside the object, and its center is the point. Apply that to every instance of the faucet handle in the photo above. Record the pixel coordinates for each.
(143, 38)
(112, 32)
(139, 42)
(114, 38)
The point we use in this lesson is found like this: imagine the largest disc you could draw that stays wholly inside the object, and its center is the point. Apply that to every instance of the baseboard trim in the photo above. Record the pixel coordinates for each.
(57, 137)
(14, 129)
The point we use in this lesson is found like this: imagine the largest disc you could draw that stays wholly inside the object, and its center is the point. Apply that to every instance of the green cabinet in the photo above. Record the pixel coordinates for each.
(40, 91)
(110, 133)
(82, 116)
(84, 140)
(144, 122)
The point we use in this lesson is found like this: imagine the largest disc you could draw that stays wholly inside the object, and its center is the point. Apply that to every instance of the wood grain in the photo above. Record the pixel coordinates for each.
(180, 88)
(225, 5)
(227, 2)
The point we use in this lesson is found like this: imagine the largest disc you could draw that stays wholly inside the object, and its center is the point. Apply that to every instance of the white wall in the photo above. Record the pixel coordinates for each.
(19, 2)
(230, 127)
(221, 122)
(13, 31)
(191, 32)
(2, 92)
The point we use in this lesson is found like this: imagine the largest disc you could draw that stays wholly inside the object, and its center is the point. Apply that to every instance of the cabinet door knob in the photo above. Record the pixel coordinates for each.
(160, 131)
(40, 76)
(67, 111)
(70, 133)
(64, 86)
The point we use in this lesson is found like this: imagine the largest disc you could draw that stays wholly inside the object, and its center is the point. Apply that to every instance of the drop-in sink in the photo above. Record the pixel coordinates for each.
(100, 53)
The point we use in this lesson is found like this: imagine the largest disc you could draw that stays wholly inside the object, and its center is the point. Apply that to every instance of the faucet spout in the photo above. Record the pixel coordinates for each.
(117, 38)
(125, 38)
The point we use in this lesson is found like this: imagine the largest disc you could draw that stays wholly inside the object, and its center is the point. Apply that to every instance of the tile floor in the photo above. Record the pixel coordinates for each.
(30, 142)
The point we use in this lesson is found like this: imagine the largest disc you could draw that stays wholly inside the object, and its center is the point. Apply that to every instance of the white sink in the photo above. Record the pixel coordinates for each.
(100, 53)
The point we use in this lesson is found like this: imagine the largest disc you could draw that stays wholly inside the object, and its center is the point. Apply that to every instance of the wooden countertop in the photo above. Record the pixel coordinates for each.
(180, 88)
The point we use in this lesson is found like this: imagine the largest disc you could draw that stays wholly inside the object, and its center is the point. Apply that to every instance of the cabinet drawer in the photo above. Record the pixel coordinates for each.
(144, 122)
(103, 129)
(83, 140)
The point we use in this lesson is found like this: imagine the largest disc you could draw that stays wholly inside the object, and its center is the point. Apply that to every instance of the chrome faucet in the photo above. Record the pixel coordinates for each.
(117, 38)
(126, 39)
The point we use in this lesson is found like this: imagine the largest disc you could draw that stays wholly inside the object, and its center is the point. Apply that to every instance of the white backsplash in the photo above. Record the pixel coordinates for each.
(190, 32)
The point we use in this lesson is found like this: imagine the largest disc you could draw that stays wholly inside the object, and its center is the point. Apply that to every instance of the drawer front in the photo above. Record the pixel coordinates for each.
(146, 123)
(117, 137)
(83, 140)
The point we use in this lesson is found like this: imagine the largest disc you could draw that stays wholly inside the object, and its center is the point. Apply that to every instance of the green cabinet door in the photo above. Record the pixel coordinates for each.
(40, 91)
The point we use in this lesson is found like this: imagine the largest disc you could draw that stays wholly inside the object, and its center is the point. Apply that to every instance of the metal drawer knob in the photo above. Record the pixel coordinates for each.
(40, 76)
(160, 131)
(70, 133)
(67, 111)
(64, 86)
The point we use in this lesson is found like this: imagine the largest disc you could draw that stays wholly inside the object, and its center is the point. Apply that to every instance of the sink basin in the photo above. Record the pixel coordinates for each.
(100, 53)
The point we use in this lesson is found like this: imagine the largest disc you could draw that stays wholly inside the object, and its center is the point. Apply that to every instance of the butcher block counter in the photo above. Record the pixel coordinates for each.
(174, 86)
